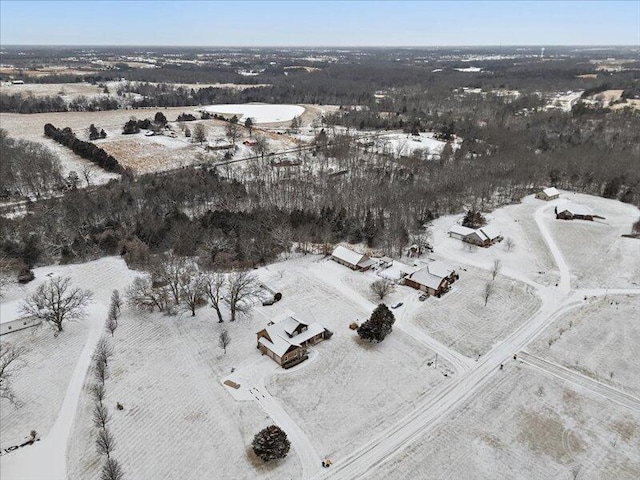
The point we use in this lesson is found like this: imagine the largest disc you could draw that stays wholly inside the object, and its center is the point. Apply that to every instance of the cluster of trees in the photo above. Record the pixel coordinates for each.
(20, 103)
(27, 168)
(473, 219)
(186, 117)
(11, 361)
(378, 326)
(84, 149)
(133, 126)
(105, 441)
(177, 282)
(94, 134)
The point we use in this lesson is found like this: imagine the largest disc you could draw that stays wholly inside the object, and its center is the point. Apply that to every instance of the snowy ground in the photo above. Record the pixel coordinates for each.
(596, 252)
(377, 410)
(584, 340)
(260, 113)
(526, 425)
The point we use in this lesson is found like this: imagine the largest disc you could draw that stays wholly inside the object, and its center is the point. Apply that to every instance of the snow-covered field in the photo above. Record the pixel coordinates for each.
(597, 254)
(260, 113)
(377, 410)
(600, 340)
(526, 425)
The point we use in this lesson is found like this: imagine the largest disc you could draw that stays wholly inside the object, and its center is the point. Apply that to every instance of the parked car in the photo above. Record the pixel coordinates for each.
(423, 297)
(269, 301)
(397, 305)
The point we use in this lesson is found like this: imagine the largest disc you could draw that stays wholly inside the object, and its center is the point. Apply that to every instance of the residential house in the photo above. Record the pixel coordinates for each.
(435, 278)
(285, 341)
(547, 194)
(483, 236)
(574, 211)
(351, 259)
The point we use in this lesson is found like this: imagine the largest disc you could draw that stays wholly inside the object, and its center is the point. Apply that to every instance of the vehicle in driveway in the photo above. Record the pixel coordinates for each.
(423, 297)
(397, 305)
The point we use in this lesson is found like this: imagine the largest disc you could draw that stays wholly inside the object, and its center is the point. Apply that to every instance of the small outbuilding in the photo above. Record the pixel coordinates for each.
(12, 318)
(550, 193)
(285, 341)
(351, 259)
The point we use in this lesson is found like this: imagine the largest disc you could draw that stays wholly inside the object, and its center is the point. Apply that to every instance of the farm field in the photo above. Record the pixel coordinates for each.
(260, 113)
(67, 91)
(585, 340)
(525, 424)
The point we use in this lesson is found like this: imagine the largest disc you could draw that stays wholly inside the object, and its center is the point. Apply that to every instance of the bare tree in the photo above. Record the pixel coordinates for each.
(88, 173)
(111, 470)
(262, 145)
(509, 244)
(105, 443)
(243, 289)
(175, 272)
(214, 284)
(422, 240)
(224, 340)
(55, 302)
(100, 372)
(192, 292)
(11, 360)
(98, 392)
(143, 294)
(382, 288)
(232, 131)
(487, 292)
(112, 319)
(104, 351)
(497, 266)
(116, 300)
(8, 271)
(199, 134)
(101, 416)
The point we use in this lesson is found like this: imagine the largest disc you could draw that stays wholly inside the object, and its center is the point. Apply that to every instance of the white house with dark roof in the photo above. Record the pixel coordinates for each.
(351, 259)
(285, 341)
(550, 193)
(435, 278)
(12, 318)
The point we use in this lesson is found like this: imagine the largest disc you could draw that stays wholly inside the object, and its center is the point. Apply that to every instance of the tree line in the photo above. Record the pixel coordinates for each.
(84, 149)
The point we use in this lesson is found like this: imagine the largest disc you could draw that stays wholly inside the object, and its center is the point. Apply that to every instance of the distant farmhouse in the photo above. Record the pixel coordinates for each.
(547, 194)
(574, 211)
(483, 236)
(351, 259)
(285, 341)
(435, 278)
(13, 319)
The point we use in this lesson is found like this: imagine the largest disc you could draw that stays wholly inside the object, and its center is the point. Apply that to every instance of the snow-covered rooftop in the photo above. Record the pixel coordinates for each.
(280, 332)
(460, 230)
(551, 191)
(11, 311)
(349, 256)
(575, 209)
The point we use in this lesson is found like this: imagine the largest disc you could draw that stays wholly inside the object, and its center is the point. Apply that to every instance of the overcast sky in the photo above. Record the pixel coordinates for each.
(319, 23)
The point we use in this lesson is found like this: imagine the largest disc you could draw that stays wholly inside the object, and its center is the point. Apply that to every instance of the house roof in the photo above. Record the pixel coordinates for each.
(575, 209)
(490, 232)
(551, 191)
(432, 274)
(426, 278)
(460, 230)
(349, 256)
(279, 333)
(11, 311)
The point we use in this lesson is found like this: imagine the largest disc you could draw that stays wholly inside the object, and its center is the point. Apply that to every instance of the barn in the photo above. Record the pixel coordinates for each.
(351, 259)
(285, 341)
(13, 319)
(547, 194)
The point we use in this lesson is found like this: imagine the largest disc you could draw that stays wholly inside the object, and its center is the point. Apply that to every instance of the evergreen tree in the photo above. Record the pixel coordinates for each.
(378, 326)
(93, 132)
(160, 119)
(271, 443)
(369, 229)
